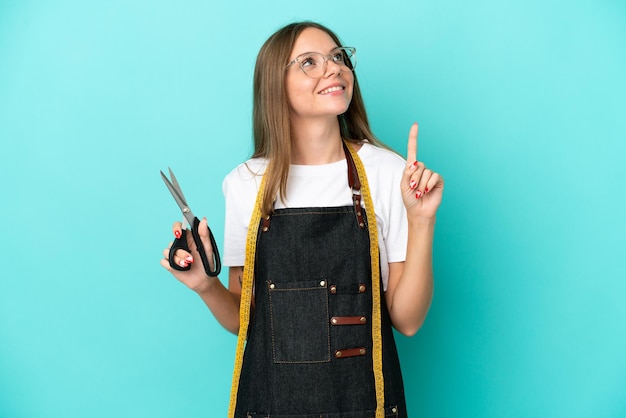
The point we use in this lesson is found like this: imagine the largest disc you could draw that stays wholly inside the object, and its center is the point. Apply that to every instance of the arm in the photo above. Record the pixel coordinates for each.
(410, 287)
(224, 303)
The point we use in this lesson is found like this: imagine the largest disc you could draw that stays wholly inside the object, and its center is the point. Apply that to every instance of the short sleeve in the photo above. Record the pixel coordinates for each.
(240, 188)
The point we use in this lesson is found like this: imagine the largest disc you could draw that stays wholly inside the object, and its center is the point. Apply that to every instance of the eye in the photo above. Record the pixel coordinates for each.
(309, 60)
(339, 57)
(306, 62)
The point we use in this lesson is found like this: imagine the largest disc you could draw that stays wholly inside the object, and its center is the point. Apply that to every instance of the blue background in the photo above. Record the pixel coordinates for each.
(522, 108)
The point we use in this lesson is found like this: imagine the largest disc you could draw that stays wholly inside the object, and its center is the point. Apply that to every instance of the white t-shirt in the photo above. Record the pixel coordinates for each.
(323, 185)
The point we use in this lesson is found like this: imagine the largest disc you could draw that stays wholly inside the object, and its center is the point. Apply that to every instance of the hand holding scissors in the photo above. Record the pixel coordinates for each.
(194, 223)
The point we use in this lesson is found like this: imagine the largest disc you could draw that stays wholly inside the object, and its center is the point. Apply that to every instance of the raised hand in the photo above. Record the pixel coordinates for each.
(421, 187)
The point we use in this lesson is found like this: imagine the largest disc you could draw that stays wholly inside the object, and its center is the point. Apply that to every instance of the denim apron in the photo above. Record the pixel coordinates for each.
(309, 345)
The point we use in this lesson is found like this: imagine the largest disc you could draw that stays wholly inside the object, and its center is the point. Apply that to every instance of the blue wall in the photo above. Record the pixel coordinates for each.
(521, 107)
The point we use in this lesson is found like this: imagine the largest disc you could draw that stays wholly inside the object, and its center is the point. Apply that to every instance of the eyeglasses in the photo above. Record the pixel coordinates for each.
(313, 64)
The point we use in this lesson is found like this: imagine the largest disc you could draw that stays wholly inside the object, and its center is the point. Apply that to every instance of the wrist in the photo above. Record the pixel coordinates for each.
(205, 286)
(422, 221)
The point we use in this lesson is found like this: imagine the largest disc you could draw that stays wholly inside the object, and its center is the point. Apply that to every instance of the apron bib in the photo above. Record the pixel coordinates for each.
(310, 342)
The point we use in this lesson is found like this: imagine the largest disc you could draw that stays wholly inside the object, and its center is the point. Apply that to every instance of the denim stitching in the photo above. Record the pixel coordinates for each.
(325, 298)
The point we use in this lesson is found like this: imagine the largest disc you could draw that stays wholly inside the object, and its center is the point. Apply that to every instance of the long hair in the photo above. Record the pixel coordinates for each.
(272, 132)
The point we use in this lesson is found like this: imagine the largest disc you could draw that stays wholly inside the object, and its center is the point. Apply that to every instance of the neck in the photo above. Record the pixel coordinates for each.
(315, 143)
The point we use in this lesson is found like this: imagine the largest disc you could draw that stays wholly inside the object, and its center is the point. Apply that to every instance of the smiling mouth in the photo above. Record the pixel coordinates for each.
(332, 89)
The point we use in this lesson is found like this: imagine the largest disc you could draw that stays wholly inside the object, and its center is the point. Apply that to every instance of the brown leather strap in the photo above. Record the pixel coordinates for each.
(353, 176)
(265, 223)
(348, 320)
(355, 185)
(350, 352)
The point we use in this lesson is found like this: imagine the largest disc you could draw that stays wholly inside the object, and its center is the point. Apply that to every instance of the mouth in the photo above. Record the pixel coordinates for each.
(332, 89)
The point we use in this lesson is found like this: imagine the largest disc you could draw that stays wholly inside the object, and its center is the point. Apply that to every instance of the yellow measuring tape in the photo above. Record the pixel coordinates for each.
(248, 279)
(377, 338)
(246, 296)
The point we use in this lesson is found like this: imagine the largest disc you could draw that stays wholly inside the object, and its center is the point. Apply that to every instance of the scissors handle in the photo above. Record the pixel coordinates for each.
(181, 243)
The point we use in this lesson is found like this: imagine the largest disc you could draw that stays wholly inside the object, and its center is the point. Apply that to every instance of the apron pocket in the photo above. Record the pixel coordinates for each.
(299, 319)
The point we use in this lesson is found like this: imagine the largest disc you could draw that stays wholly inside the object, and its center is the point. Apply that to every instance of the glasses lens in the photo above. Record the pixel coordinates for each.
(312, 64)
(348, 56)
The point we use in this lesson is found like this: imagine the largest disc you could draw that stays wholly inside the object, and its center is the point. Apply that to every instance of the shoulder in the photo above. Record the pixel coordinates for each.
(241, 185)
(380, 160)
(247, 173)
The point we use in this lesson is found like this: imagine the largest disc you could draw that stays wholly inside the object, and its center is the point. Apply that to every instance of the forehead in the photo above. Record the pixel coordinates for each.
(313, 40)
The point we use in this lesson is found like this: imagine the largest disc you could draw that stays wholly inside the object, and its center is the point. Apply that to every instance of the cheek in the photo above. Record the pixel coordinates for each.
(291, 91)
(300, 93)
(351, 87)
(294, 99)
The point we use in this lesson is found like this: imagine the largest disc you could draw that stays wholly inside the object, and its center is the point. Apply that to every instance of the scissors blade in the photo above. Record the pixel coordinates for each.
(176, 185)
(178, 196)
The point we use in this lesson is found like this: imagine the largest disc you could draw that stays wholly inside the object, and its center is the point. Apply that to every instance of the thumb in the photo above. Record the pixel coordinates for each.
(203, 231)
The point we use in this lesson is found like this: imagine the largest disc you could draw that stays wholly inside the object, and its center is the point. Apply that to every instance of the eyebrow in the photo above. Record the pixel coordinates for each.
(316, 52)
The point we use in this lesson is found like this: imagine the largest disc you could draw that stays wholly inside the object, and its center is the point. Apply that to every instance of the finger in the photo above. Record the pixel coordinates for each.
(203, 231)
(435, 181)
(415, 174)
(423, 182)
(166, 264)
(182, 255)
(177, 228)
(181, 258)
(411, 149)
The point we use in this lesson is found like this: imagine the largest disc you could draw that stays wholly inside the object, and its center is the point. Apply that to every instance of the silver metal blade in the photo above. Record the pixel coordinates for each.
(176, 185)
(178, 196)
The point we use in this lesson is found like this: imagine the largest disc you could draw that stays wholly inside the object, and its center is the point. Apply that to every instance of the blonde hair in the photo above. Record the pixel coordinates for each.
(272, 133)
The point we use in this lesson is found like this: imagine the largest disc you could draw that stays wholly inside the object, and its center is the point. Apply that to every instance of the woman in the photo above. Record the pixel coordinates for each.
(334, 230)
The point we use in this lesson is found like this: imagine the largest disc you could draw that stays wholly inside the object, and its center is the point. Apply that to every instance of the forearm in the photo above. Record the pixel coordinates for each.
(223, 303)
(410, 293)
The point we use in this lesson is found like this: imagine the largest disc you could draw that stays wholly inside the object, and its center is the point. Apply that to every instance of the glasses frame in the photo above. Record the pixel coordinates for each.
(350, 51)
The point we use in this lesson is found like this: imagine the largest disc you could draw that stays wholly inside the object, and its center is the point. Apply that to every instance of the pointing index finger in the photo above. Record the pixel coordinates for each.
(411, 149)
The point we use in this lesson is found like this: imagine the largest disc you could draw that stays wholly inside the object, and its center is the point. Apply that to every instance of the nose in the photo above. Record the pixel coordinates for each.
(332, 68)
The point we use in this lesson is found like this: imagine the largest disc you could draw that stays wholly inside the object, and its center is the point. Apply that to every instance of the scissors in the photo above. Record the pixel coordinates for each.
(193, 222)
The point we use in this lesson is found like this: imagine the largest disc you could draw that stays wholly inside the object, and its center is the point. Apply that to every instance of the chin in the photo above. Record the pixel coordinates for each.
(339, 110)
